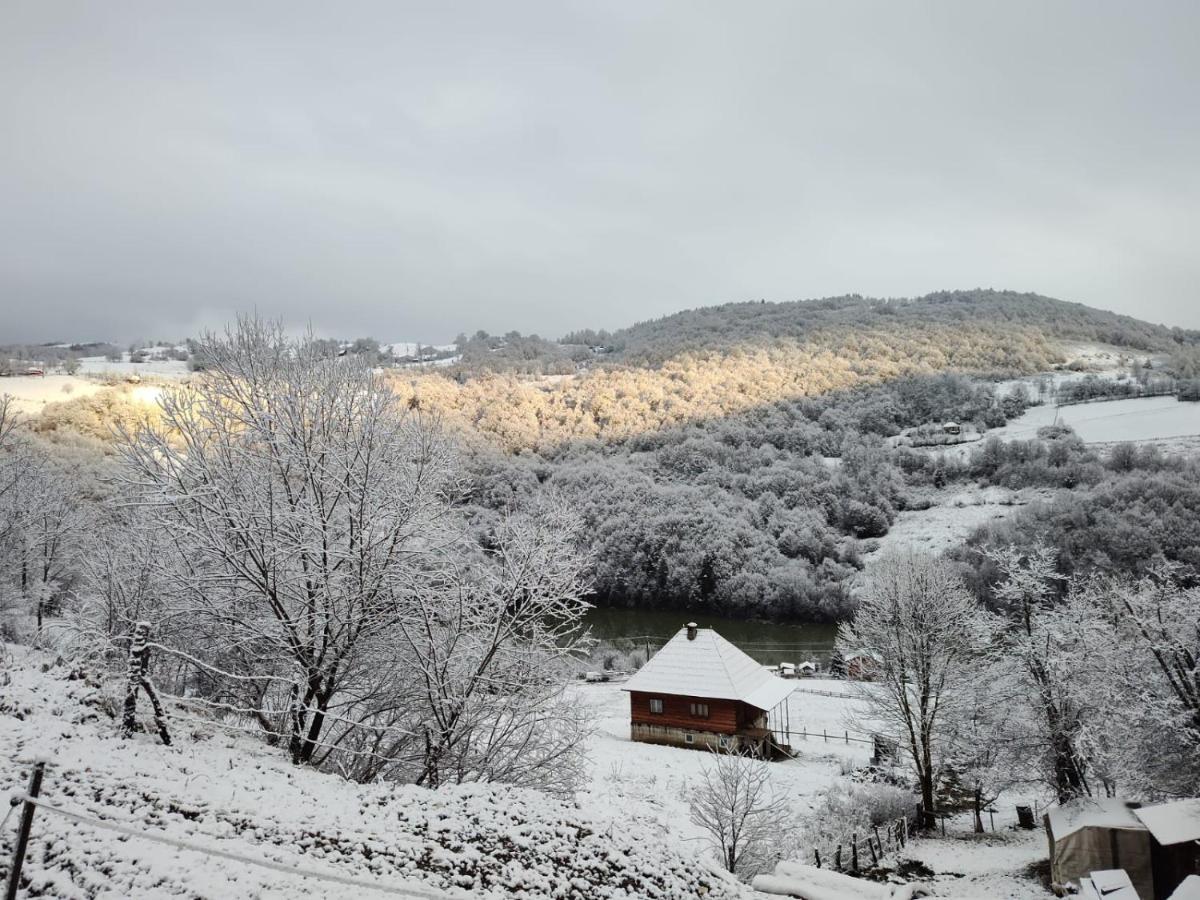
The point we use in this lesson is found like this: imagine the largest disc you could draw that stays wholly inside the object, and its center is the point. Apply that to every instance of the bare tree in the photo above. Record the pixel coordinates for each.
(736, 806)
(1141, 649)
(321, 582)
(300, 502)
(1043, 652)
(489, 653)
(927, 632)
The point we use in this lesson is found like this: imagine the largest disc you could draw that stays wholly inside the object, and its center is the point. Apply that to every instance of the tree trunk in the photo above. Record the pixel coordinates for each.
(133, 677)
(978, 811)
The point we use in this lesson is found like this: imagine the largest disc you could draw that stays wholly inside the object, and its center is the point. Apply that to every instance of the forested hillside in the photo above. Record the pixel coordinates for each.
(734, 458)
(720, 326)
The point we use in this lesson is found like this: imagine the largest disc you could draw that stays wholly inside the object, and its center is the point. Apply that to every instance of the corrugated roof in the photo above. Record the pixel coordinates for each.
(708, 666)
(1173, 822)
(1090, 813)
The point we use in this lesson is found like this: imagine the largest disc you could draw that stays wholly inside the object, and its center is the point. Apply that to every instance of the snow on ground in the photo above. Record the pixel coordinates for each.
(957, 512)
(1135, 419)
(652, 782)
(1000, 865)
(161, 368)
(232, 793)
(32, 393)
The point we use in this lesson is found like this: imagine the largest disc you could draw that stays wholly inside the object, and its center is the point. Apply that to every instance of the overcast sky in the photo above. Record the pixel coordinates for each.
(413, 170)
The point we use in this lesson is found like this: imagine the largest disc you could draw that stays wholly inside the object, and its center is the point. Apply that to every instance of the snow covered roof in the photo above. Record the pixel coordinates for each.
(708, 666)
(1107, 884)
(1189, 889)
(1173, 822)
(1091, 813)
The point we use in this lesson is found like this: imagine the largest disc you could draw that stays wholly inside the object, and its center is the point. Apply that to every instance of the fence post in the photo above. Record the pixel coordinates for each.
(854, 853)
(837, 859)
(875, 828)
(825, 734)
(35, 790)
(847, 736)
(817, 854)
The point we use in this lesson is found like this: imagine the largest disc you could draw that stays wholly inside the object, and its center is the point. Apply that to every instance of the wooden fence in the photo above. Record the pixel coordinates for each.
(850, 855)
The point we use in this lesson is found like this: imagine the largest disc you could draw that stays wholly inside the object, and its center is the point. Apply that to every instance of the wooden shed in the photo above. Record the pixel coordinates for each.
(701, 691)
(1089, 835)
(1174, 842)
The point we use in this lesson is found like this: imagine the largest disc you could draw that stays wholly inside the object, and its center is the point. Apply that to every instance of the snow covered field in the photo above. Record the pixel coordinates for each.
(32, 393)
(228, 793)
(162, 368)
(957, 513)
(651, 784)
(1136, 419)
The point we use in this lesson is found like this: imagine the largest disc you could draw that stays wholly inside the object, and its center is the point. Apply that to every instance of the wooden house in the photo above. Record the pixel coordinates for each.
(701, 691)
(862, 666)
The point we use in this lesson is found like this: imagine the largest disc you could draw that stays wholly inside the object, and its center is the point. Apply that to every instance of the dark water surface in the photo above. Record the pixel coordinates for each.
(767, 642)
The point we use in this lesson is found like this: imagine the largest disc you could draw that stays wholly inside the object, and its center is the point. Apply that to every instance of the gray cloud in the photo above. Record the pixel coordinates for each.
(413, 170)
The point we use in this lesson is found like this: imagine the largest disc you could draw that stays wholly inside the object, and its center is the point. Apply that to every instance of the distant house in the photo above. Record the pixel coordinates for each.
(806, 669)
(701, 691)
(952, 428)
(35, 371)
(862, 665)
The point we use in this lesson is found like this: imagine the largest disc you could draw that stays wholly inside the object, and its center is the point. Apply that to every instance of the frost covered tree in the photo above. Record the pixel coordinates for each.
(488, 658)
(928, 633)
(300, 501)
(1043, 647)
(320, 580)
(1141, 649)
(736, 806)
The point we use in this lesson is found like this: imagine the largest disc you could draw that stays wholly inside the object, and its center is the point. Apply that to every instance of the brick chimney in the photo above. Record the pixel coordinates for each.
(692, 627)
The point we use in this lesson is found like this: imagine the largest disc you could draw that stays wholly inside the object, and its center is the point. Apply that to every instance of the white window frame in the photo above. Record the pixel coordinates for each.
(689, 738)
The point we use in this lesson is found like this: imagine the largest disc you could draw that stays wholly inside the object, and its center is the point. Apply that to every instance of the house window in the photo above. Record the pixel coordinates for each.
(724, 743)
(699, 710)
(689, 738)
(656, 705)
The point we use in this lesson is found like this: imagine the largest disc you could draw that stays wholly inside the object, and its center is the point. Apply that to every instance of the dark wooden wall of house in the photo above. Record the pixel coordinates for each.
(724, 716)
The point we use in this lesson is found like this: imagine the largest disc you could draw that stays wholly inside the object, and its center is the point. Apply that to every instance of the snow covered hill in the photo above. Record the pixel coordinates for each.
(228, 792)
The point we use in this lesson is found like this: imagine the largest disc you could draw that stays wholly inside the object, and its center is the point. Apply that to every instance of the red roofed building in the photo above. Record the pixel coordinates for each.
(701, 691)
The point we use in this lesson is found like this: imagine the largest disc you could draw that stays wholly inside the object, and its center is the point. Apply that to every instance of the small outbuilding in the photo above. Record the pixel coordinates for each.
(1174, 842)
(701, 691)
(1089, 835)
(952, 428)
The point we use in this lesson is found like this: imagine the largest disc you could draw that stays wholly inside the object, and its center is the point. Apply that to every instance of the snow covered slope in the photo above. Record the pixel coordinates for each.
(230, 793)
